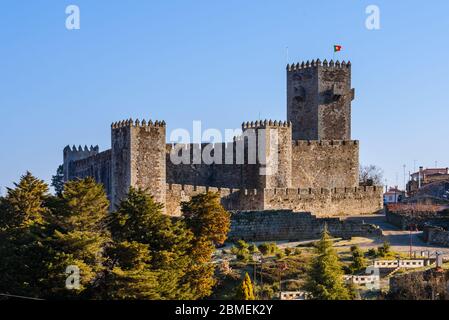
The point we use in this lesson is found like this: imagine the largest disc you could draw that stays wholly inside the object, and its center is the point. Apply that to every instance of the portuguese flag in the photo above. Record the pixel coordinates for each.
(337, 48)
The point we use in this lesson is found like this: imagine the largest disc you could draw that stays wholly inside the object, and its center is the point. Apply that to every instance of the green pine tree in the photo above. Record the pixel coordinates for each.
(245, 290)
(79, 237)
(130, 275)
(57, 181)
(24, 205)
(150, 254)
(358, 260)
(325, 275)
(22, 234)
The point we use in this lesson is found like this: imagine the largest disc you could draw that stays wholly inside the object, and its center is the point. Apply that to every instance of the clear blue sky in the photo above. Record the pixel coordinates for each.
(221, 62)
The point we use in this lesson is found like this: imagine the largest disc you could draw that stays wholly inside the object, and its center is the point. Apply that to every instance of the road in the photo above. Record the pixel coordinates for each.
(399, 239)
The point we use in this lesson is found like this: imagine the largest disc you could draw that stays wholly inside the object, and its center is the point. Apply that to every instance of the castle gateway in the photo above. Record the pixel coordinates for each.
(313, 168)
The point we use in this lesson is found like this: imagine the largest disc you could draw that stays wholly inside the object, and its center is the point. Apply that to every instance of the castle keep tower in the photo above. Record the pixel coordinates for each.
(319, 99)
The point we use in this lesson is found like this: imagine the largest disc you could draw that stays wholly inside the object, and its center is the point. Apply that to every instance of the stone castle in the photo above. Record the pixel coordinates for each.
(316, 167)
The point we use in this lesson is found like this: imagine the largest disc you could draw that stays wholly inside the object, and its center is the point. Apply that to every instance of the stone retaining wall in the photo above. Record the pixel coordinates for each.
(436, 236)
(293, 226)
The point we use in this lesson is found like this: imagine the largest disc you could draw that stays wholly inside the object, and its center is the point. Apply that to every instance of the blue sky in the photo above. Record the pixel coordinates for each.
(222, 62)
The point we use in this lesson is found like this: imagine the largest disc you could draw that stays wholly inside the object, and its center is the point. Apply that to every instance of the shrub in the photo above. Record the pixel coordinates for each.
(384, 249)
(268, 248)
(288, 251)
(234, 250)
(243, 257)
(242, 245)
(253, 249)
(372, 252)
(280, 254)
(358, 260)
(267, 292)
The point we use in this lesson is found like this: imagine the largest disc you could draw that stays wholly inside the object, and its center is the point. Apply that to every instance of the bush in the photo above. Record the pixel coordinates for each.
(242, 245)
(288, 251)
(267, 292)
(268, 248)
(243, 257)
(297, 251)
(234, 250)
(358, 260)
(253, 249)
(384, 249)
(241, 250)
(280, 254)
(372, 252)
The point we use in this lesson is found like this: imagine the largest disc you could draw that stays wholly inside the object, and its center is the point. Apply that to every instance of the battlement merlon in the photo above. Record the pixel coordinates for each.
(262, 124)
(317, 63)
(137, 123)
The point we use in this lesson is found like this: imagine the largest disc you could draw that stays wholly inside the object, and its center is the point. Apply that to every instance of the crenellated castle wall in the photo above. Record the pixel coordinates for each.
(322, 202)
(218, 174)
(88, 163)
(325, 164)
(326, 202)
(232, 166)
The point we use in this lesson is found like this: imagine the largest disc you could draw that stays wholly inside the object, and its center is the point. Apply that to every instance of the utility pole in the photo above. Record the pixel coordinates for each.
(411, 240)
(405, 185)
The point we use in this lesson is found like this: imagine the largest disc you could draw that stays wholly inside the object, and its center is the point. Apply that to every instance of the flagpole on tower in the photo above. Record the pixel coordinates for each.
(337, 48)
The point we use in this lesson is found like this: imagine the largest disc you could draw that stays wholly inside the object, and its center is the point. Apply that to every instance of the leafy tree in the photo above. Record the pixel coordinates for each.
(22, 234)
(253, 249)
(372, 252)
(150, 254)
(206, 217)
(241, 250)
(280, 254)
(210, 223)
(268, 248)
(245, 290)
(57, 181)
(79, 237)
(384, 250)
(370, 175)
(324, 279)
(358, 260)
(420, 285)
